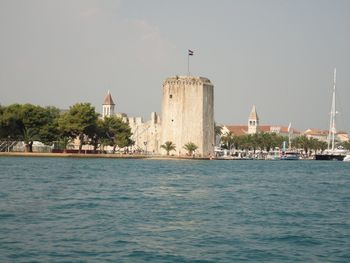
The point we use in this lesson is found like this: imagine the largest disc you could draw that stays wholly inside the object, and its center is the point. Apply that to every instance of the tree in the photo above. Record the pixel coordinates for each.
(346, 145)
(308, 144)
(217, 133)
(228, 140)
(116, 132)
(97, 134)
(29, 123)
(80, 121)
(190, 147)
(217, 130)
(168, 146)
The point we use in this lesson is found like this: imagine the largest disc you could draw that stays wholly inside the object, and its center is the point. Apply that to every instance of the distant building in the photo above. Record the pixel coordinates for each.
(255, 127)
(322, 135)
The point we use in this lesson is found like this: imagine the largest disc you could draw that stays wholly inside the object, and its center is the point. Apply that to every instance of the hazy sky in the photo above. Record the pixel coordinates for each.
(278, 55)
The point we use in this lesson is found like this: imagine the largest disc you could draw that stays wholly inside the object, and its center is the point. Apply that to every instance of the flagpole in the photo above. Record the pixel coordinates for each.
(189, 53)
(188, 64)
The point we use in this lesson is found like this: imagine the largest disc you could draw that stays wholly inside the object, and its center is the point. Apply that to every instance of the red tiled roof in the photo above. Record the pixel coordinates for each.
(237, 129)
(243, 129)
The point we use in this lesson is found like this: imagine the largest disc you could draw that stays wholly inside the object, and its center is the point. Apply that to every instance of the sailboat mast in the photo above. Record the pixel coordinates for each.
(332, 129)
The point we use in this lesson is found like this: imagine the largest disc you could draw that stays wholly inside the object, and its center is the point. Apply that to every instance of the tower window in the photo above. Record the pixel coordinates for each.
(170, 96)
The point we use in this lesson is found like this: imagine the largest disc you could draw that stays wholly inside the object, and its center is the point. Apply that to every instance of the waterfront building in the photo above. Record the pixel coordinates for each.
(188, 114)
(254, 126)
(322, 135)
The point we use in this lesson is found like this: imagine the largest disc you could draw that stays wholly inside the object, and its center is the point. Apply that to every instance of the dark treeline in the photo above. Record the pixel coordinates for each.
(29, 123)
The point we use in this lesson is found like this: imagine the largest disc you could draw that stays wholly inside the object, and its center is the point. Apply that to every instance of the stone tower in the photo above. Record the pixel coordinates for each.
(253, 121)
(188, 113)
(108, 106)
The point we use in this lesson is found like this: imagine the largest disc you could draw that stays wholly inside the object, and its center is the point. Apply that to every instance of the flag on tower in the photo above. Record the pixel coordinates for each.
(190, 52)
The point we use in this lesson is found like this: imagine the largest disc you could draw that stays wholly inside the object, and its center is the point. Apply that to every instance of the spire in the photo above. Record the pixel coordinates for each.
(108, 99)
(253, 114)
(108, 106)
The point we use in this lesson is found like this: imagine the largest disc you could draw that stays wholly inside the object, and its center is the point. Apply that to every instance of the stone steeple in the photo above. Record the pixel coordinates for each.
(253, 121)
(108, 106)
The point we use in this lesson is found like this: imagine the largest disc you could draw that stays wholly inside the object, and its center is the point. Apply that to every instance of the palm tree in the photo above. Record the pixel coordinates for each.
(190, 147)
(217, 132)
(227, 140)
(168, 146)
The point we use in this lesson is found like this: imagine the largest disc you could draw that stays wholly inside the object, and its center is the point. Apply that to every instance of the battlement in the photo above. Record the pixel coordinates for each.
(186, 80)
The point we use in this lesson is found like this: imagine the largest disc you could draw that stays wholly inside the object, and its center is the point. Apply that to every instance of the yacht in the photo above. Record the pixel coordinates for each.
(332, 153)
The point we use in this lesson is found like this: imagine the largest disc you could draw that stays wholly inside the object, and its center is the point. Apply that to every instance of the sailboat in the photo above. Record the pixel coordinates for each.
(332, 153)
(289, 155)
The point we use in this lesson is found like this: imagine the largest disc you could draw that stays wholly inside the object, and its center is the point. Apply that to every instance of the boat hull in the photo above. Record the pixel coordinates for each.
(329, 157)
(347, 158)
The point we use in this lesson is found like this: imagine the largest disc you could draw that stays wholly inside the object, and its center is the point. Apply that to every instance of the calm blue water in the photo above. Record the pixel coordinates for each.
(108, 210)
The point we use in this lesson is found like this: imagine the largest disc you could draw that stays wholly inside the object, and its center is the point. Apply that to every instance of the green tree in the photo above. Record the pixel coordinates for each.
(97, 134)
(308, 144)
(116, 132)
(29, 123)
(346, 145)
(168, 146)
(80, 121)
(190, 147)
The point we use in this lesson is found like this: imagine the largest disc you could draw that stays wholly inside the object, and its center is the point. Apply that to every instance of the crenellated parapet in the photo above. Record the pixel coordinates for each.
(186, 81)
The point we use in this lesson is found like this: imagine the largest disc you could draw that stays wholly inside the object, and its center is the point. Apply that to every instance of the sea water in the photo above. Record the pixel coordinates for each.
(114, 210)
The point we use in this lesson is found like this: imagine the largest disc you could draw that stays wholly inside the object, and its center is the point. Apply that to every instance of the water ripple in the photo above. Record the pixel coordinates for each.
(106, 210)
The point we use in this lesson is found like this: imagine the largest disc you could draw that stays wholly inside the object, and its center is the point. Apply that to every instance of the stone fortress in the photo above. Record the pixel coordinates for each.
(187, 116)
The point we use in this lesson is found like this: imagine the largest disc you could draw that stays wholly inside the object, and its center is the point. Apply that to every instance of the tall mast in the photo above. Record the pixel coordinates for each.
(332, 129)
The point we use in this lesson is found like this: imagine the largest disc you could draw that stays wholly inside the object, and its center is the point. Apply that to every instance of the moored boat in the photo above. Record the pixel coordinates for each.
(290, 156)
(347, 158)
(332, 153)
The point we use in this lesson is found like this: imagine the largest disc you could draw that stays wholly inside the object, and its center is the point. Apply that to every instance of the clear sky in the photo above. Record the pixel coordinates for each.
(276, 54)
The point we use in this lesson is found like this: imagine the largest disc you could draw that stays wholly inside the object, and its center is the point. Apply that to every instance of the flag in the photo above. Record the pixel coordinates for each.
(190, 52)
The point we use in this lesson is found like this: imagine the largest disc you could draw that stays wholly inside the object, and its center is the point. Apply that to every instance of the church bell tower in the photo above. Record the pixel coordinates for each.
(253, 121)
(108, 106)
